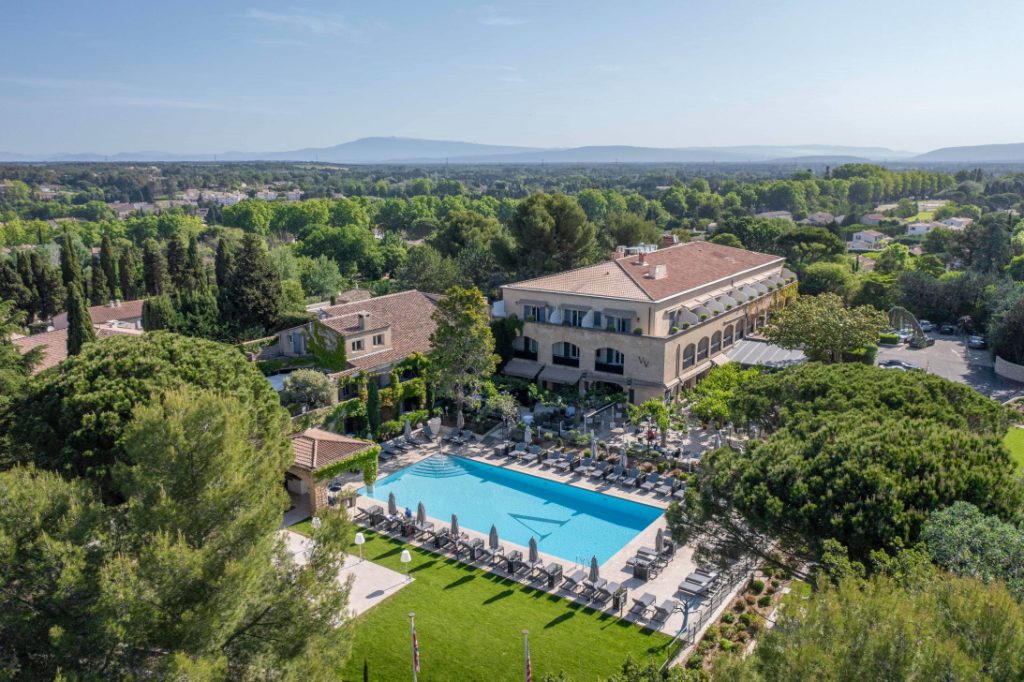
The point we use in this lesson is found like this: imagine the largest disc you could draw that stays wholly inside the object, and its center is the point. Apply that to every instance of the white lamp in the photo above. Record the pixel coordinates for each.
(317, 523)
(406, 558)
(360, 541)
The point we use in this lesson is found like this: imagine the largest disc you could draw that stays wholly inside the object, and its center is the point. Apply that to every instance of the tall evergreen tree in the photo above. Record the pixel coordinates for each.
(128, 273)
(193, 274)
(373, 405)
(99, 292)
(80, 331)
(49, 286)
(154, 267)
(224, 270)
(158, 313)
(108, 261)
(177, 253)
(256, 287)
(12, 288)
(24, 267)
(70, 266)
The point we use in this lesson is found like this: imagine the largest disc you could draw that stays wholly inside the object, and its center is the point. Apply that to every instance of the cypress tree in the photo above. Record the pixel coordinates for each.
(224, 271)
(154, 268)
(80, 331)
(24, 267)
(158, 313)
(48, 284)
(99, 292)
(373, 405)
(256, 287)
(11, 286)
(193, 275)
(70, 267)
(128, 273)
(108, 261)
(176, 255)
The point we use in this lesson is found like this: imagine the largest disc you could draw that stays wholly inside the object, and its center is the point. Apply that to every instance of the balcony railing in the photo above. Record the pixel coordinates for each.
(564, 360)
(608, 368)
(524, 354)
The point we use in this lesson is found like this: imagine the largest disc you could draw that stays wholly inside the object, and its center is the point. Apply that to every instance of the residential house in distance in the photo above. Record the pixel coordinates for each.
(957, 223)
(124, 318)
(649, 324)
(785, 215)
(872, 218)
(821, 218)
(377, 333)
(267, 195)
(123, 314)
(293, 195)
(867, 240)
(920, 229)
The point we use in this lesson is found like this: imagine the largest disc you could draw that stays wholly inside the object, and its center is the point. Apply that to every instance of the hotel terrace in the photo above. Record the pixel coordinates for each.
(648, 324)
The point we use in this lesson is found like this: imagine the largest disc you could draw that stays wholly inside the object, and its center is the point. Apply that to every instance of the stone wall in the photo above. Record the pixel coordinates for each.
(1009, 370)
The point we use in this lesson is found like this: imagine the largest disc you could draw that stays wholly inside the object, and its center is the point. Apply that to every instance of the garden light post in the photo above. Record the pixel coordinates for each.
(360, 540)
(406, 558)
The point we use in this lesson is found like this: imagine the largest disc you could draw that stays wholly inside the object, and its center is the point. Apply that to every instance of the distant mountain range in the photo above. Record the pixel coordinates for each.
(402, 150)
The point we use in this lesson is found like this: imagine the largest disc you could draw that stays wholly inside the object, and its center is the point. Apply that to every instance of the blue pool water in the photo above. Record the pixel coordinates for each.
(569, 523)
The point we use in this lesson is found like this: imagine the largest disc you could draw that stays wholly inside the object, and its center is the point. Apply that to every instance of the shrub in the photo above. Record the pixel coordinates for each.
(764, 600)
(739, 607)
(705, 645)
(888, 339)
(727, 645)
(757, 586)
(638, 332)
(728, 617)
(728, 306)
(713, 632)
(695, 662)
(750, 599)
(686, 325)
(673, 330)
(727, 631)
(703, 316)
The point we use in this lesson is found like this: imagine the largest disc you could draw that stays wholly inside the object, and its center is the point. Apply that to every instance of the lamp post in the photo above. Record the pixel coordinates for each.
(316, 523)
(406, 558)
(360, 541)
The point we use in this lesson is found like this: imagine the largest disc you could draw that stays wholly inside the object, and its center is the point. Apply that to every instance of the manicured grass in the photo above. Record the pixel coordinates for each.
(1015, 443)
(469, 625)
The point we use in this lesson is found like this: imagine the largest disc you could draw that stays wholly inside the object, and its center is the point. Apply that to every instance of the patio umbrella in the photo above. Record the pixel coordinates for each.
(455, 525)
(392, 505)
(659, 541)
(528, 435)
(460, 421)
(492, 541)
(421, 514)
(593, 445)
(408, 429)
(534, 558)
(594, 571)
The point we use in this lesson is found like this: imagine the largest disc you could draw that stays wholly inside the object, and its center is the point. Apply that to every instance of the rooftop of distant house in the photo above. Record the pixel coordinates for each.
(55, 343)
(657, 275)
(315, 449)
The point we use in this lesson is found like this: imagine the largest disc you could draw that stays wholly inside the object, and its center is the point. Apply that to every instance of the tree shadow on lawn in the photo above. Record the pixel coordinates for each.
(461, 581)
(558, 620)
(499, 596)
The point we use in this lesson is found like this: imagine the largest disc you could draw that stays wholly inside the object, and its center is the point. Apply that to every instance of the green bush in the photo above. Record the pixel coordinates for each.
(638, 331)
(764, 600)
(390, 429)
(695, 662)
(757, 586)
(888, 339)
(727, 645)
(728, 617)
(705, 645)
(865, 355)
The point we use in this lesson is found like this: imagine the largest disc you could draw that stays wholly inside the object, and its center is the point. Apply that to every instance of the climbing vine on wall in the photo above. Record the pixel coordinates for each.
(364, 461)
(326, 357)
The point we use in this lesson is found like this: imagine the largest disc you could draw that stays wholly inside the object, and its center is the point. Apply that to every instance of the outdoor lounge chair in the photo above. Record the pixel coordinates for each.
(552, 573)
(589, 588)
(630, 479)
(565, 464)
(642, 603)
(680, 494)
(572, 582)
(585, 466)
(652, 482)
(694, 589)
(530, 455)
(664, 610)
(703, 575)
(605, 592)
(666, 486)
(469, 548)
(552, 457)
(369, 512)
(425, 528)
(598, 473)
(616, 473)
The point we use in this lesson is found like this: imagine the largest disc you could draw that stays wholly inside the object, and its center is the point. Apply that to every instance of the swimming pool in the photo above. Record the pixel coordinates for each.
(569, 523)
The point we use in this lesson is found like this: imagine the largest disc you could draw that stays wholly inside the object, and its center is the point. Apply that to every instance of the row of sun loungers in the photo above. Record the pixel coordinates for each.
(698, 582)
(647, 602)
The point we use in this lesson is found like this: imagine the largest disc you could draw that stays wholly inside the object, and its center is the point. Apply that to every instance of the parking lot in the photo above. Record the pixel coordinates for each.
(952, 359)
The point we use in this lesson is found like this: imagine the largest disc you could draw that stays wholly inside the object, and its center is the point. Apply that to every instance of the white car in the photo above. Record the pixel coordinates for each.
(926, 326)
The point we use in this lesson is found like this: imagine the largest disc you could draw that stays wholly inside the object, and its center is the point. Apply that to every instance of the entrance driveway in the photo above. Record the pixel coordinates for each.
(952, 359)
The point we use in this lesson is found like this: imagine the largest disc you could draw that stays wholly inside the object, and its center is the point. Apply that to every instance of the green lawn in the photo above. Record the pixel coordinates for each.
(1015, 442)
(468, 623)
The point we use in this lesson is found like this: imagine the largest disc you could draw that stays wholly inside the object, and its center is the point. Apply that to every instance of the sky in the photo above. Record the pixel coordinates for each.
(218, 75)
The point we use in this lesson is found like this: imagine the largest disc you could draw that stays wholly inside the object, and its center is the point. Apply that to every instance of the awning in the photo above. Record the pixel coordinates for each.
(720, 360)
(526, 301)
(748, 352)
(524, 369)
(560, 374)
(572, 306)
(625, 314)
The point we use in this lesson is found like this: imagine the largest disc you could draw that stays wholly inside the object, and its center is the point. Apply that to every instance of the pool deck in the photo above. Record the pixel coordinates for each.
(663, 587)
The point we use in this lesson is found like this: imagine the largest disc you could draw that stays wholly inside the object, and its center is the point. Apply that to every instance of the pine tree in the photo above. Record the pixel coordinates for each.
(373, 405)
(70, 267)
(154, 268)
(128, 273)
(256, 288)
(80, 331)
(49, 285)
(108, 261)
(176, 256)
(99, 292)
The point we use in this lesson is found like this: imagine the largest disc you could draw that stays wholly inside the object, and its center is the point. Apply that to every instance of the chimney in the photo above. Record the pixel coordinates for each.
(658, 272)
(643, 258)
(110, 303)
(620, 252)
(361, 317)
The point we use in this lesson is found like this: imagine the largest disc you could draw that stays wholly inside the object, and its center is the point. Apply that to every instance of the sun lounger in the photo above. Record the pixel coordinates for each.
(529, 456)
(616, 473)
(585, 466)
(590, 588)
(573, 581)
(566, 463)
(666, 486)
(664, 610)
(469, 548)
(652, 482)
(605, 592)
(551, 458)
(692, 588)
(642, 603)
(551, 573)
(701, 575)
(630, 479)
(426, 528)
(370, 512)
(600, 471)
(679, 494)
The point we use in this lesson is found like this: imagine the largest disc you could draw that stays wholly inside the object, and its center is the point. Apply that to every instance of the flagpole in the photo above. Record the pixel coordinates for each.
(527, 666)
(415, 646)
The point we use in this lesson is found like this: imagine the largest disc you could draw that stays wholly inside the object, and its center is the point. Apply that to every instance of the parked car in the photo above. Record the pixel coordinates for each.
(897, 364)
(976, 341)
(926, 326)
(947, 329)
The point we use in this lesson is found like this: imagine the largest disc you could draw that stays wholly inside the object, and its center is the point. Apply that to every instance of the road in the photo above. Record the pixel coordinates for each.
(952, 359)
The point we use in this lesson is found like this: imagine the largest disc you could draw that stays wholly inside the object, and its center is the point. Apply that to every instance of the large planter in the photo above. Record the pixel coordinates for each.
(1009, 370)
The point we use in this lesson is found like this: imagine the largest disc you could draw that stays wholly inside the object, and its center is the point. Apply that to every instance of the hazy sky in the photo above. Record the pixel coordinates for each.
(217, 75)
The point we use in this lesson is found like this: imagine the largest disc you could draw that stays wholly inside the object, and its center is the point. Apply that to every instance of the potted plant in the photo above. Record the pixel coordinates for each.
(638, 331)
(703, 316)
(686, 325)
(674, 330)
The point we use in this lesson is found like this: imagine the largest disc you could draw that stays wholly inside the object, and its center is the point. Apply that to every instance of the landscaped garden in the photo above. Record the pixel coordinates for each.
(469, 623)
(1015, 443)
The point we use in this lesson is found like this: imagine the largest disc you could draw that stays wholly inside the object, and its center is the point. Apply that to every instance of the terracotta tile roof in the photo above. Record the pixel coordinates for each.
(407, 312)
(55, 344)
(687, 266)
(126, 310)
(315, 448)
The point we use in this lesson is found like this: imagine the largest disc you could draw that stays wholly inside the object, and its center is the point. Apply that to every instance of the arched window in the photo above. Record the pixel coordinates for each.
(716, 342)
(525, 347)
(689, 356)
(741, 326)
(727, 337)
(565, 353)
(609, 360)
(702, 349)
